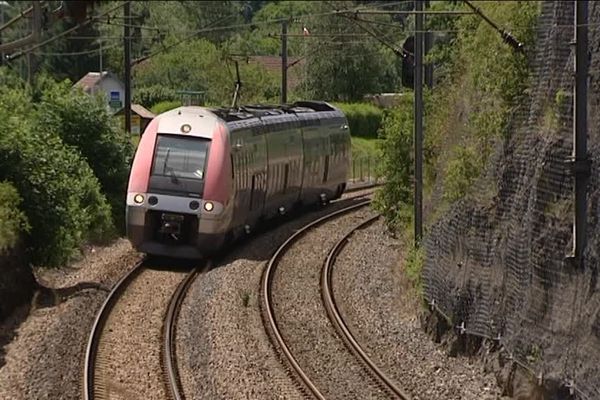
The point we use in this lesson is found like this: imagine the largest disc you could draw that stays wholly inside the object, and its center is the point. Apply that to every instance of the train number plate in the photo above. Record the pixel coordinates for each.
(172, 218)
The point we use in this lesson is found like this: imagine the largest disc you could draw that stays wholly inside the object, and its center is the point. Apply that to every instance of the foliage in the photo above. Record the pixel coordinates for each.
(364, 119)
(199, 65)
(461, 172)
(148, 96)
(12, 220)
(62, 197)
(396, 163)
(471, 109)
(366, 148)
(165, 106)
(84, 122)
(414, 265)
(262, 39)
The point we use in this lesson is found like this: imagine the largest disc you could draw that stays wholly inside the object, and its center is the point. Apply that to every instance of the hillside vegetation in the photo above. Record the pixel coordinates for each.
(480, 80)
(68, 162)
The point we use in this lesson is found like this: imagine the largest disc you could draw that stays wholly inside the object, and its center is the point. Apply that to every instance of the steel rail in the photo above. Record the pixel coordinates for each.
(169, 356)
(267, 281)
(94, 339)
(335, 316)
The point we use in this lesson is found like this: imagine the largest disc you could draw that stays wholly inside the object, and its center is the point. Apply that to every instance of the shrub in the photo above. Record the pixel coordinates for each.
(62, 198)
(165, 106)
(12, 220)
(150, 95)
(396, 164)
(461, 172)
(363, 119)
(84, 122)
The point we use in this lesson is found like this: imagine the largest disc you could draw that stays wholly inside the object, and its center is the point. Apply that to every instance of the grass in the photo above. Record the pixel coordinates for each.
(365, 157)
(365, 147)
(135, 140)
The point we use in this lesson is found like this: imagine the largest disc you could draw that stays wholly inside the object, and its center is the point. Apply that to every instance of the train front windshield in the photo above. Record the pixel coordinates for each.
(179, 164)
(180, 157)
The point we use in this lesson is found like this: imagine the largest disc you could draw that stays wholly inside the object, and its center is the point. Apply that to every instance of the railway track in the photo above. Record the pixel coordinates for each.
(328, 298)
(99, 380)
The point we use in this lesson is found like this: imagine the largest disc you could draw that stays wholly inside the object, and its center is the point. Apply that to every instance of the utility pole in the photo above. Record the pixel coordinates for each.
(428, 45)
(238, 87)
(418, 110)
(284, 62)
(581, 162)
(127, 65)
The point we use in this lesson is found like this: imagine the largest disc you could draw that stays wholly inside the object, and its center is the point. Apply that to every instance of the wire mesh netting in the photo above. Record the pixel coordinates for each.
(497, 264)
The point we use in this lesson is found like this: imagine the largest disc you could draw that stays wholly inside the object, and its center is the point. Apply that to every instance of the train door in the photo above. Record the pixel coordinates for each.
(256, 147)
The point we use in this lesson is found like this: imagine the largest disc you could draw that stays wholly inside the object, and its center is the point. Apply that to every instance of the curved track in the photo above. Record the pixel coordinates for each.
(328, 300)
(93, 386)
(170, 369)
(335, 316)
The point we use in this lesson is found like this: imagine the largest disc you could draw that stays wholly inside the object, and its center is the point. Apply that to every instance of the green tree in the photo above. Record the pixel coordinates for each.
(343, 65)
(199, 65)
(84, 122)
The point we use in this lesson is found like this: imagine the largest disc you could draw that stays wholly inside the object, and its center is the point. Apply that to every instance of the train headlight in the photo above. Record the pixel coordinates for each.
(138, 198)
(209, 206)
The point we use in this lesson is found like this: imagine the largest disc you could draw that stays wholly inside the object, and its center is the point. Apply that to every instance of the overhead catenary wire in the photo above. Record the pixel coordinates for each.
(64, 33)
(76, 53)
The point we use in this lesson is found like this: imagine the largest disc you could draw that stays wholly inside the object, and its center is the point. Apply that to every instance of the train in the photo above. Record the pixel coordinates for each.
(202, 177)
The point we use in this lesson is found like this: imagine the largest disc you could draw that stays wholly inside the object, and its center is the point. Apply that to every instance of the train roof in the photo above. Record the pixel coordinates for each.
(231, 114)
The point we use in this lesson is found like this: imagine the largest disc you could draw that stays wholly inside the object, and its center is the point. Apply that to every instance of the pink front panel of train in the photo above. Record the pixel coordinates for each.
(142, 163)
(217, 186)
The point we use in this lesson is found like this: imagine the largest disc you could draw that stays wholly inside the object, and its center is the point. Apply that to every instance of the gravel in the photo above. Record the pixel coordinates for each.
(222, 348)
(374, 299)
(129, 352)
(45, 358)
(303, 321)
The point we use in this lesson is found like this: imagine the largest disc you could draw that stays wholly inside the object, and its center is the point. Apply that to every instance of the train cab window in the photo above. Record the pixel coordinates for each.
(179, 157)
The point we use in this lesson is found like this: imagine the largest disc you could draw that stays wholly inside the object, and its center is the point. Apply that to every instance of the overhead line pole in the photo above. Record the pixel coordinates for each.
(418, 128)
(428, 45)
(581, 162)
(284, 65)
(127, 66)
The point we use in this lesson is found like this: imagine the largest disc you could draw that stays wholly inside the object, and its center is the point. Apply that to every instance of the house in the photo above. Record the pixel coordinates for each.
(140, 118)
(107, 83)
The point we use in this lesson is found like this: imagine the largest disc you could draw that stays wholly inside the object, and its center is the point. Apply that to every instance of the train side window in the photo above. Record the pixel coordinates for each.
(252, 191)
(285, 177)
(326, 169)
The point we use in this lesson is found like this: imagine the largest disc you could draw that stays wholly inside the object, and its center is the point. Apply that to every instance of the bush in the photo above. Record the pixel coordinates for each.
(364, 119)
(461, 172)
(84, 122)
(148, 96)
(12, 220)
(165, 106)
(396, 165)
(61, 196)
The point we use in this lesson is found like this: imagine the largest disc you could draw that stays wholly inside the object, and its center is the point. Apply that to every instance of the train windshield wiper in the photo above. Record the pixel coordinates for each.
(170, 170)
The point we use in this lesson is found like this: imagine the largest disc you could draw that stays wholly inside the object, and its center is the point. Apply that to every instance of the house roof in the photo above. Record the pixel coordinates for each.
(92, 79)
(139, 110)
(142, 112)
(273, 64)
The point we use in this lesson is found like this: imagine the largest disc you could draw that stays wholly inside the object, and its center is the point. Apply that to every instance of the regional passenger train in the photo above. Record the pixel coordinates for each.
(203, 176)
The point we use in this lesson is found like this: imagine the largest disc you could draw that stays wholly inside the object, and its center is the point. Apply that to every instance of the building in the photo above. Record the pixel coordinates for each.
(107, 83)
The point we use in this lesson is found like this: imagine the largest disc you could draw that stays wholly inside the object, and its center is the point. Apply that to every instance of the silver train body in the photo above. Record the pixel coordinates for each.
(202, 177)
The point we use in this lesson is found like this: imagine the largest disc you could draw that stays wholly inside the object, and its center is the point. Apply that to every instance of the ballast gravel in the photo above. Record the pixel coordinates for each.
(129, 353)
(44, 360)
(223, 351)
(303, 320)
(368, 287)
